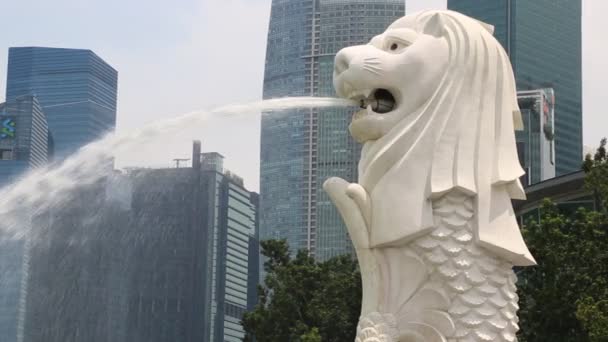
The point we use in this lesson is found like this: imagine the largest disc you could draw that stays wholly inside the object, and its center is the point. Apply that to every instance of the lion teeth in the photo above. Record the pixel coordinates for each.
(363, 112)
(360, 114)
(360, 94)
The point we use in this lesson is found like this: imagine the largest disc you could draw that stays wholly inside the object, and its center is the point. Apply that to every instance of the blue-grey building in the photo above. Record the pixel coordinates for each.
(76, 89)
(302, 148)
(23, 137)
(23, 146)
(79, 260)
(170, 260)
(536, 143)
(201, 222)
(236, 230)
(543, 39)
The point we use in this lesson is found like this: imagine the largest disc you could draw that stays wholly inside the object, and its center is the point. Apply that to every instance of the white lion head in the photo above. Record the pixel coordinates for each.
(440, 112)
(392, 76)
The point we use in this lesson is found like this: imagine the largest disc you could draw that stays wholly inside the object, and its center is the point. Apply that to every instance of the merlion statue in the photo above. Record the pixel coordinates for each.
(431, 216)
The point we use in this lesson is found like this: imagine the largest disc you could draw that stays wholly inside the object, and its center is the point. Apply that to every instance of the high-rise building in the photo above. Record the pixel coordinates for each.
(302, 148)
(80, 259)
(202, 220)
(14, 270)
(535, 143)
(23, 146)
(163, 256)
(23, 137)
(76, 89)
(543, 39)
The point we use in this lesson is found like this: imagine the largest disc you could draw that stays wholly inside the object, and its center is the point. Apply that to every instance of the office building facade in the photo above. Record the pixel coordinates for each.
(302, 148)
(23, 146)
(76, 89)
(536, 143)
(543, 39)
(23, 137)
(163, 256)
(80, 259)
(203, 221)
(234, 276)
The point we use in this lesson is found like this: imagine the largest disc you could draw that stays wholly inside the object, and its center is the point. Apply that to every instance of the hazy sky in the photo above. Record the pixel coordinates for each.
(179, 56)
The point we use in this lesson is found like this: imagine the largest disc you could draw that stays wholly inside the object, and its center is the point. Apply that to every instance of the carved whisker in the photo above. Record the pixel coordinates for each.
(373, 67)
(373, 71)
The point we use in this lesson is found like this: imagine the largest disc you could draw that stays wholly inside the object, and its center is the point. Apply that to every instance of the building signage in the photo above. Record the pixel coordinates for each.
(548, 107)
(7, 127)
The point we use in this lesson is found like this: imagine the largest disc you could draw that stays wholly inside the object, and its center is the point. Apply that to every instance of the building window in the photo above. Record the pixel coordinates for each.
(6, 154)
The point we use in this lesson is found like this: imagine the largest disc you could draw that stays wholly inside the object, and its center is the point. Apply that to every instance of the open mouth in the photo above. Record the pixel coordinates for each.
(380, 101)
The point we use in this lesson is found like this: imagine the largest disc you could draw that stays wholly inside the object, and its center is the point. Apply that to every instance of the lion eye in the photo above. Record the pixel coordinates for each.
(394, 47)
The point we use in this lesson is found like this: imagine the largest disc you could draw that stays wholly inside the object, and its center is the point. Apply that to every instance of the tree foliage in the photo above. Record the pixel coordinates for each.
(593, 315)
(596, 169)
(565, 297)
(304, 300)
(572, 256)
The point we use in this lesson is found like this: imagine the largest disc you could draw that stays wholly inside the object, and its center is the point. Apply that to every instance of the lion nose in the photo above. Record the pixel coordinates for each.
(342, 62)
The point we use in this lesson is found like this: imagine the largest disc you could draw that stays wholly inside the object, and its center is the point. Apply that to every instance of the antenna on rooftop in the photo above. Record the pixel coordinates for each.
(178, 160)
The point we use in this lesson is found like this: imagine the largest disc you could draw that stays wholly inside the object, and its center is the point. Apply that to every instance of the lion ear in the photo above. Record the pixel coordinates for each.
(435, 26)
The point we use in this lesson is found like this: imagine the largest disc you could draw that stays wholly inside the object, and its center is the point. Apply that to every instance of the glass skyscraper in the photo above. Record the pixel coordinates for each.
(23, 146)
(170, 260)
(302, 148)
(211, 219)
(543, 39)
(58, 100)
(76, 89)
(23, 137)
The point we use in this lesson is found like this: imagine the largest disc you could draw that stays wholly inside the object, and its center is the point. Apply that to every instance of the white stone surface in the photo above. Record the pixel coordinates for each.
(431, 217)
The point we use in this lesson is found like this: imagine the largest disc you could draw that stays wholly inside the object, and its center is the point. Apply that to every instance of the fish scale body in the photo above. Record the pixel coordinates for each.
(480, 287)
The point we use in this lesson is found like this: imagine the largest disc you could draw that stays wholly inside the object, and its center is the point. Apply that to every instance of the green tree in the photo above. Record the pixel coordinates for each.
(304, 300)
(564, 297)
(596, 169)
(312, 336)
(594, 317)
